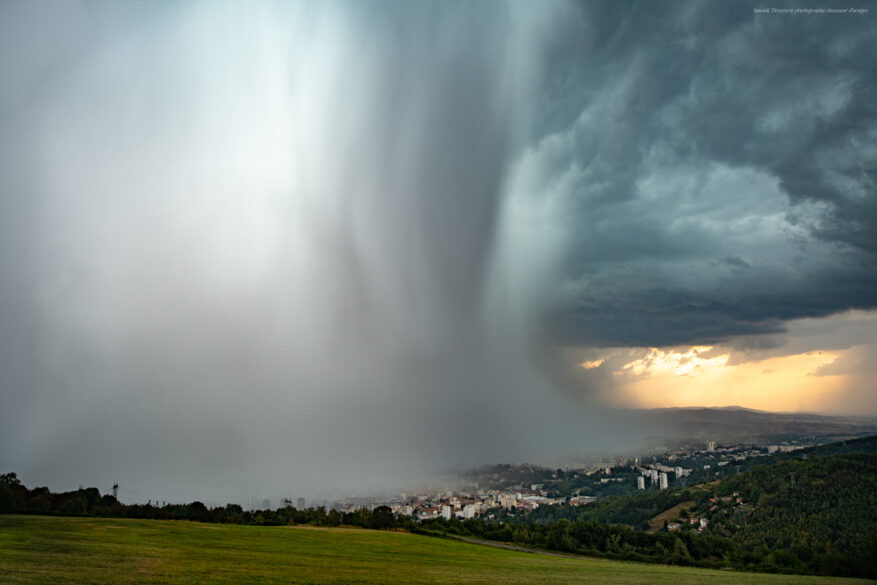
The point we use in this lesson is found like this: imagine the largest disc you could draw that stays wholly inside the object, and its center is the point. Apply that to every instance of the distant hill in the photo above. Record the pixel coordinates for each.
(742, 425)
(862, 445)
(818, 513)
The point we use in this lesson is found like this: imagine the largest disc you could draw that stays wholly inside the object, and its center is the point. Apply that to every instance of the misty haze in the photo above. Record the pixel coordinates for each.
(331, 249)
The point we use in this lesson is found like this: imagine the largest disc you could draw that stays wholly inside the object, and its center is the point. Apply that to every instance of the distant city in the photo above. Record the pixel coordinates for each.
(512, 489)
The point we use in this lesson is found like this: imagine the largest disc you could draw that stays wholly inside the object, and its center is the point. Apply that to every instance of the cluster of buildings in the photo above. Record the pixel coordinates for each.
(505, 494)
(466, 505)
(783, 448)
(741, 452)
(723, 505)
(696, 524)
(658, 475)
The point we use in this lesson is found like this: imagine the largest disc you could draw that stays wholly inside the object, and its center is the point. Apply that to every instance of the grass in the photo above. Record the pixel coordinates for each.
(657, 522)
(55, 550)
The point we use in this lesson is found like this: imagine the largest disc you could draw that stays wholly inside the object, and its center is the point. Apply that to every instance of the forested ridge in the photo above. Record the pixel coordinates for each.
(811, 515)
(822, 507)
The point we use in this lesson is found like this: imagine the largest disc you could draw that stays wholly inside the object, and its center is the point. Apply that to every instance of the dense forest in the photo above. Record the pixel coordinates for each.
(814, 512)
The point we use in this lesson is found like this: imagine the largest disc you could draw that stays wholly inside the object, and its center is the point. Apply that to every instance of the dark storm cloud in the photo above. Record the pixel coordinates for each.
(720, 170)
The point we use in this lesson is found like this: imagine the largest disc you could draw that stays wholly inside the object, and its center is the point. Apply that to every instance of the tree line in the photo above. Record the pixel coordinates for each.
(16, 498)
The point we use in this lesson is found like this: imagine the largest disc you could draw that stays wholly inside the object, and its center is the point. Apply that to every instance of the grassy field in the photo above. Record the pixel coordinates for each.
(46, 550)
(657, 523)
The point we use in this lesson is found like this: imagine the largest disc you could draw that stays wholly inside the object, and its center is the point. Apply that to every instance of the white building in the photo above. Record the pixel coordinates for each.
(428, 514)
(663, 481)
(710, 445)
(446, 512)
(640, 483)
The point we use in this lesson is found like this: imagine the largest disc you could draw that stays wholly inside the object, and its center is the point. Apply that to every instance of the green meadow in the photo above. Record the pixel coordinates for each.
(47, 550)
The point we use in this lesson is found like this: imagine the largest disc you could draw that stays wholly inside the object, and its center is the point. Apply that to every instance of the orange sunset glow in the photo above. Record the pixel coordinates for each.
(819, 365)
(784, 383)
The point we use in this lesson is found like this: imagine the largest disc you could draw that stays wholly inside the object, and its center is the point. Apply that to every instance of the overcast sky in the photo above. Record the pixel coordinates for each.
(286, 249)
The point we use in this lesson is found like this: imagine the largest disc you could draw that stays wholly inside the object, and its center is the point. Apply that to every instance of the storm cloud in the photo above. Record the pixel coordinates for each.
(290, 249)
(716, 175)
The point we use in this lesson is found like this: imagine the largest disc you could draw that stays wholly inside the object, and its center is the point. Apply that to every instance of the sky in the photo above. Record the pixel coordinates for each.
(256, 249)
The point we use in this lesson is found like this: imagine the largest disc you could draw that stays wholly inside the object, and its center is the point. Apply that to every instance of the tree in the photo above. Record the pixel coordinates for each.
(559, 537)
(74, 505)
(680, 554)
(198, 511)
(10, 479)
(333, 518)
(7, 499)
(382, 517)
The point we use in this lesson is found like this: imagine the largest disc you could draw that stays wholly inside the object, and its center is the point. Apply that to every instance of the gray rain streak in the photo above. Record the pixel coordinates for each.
(323, 247)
